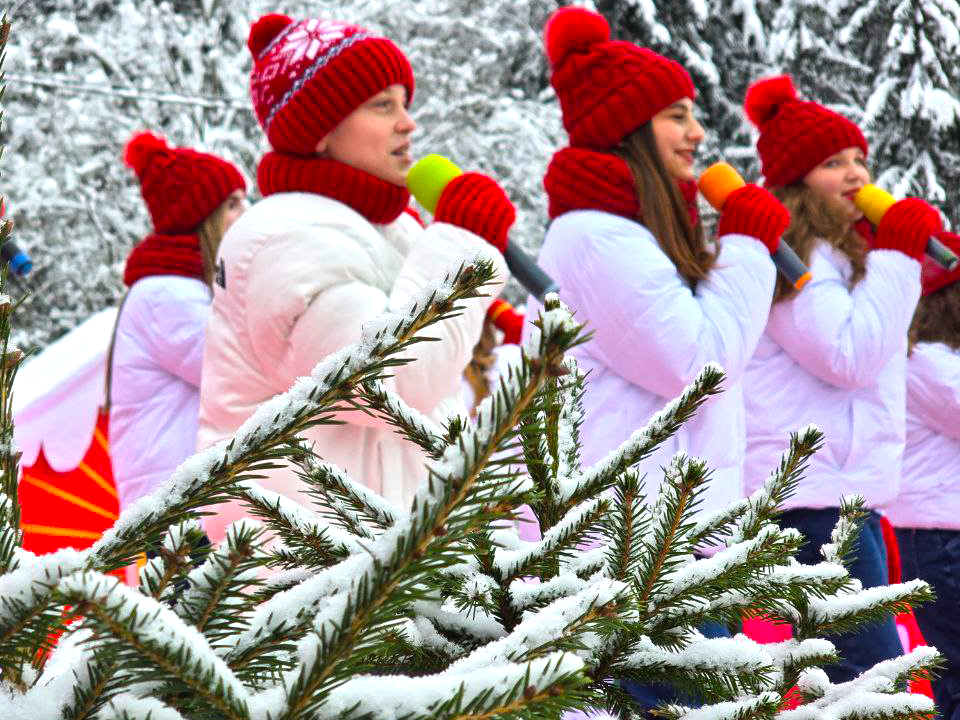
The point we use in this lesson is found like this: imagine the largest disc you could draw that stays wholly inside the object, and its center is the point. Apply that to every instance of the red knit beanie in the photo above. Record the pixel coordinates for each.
(180, 186)
(933, 277)
(607, 89)
(308, 75)
(795, 136)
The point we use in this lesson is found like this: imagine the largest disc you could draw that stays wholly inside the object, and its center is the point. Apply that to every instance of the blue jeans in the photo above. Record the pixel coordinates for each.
(649, 696)
(863, 649)
(934, 556)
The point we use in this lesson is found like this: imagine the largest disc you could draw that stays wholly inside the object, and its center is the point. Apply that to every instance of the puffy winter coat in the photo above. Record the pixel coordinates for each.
(155, 386)
(652, 335)
(836, 357)
(302, 273)
(930, 483)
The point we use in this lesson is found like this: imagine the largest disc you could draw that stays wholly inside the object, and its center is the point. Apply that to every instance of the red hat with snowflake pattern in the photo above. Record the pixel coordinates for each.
(308, 75)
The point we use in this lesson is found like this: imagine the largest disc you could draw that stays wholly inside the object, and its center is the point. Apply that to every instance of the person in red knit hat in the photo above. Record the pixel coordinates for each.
(155, 359)
(330, 246)
(926, 511)
(834, 353)
(627, 247)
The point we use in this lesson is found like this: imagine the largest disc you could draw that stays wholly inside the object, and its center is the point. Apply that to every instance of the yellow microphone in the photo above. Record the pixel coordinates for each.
(427, 180)
(874, 202)
(717, 183)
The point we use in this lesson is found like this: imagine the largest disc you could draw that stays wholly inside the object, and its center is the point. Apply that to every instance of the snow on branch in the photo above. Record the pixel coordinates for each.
(645, 441)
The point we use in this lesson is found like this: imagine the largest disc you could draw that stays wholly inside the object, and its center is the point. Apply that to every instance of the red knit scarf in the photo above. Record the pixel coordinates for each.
(377, 200)
(164, 255)
(580, 179)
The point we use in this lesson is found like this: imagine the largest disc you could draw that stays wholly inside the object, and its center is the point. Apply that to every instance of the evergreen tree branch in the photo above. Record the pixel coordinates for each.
(763, 506)
(357, 508)
(148, 639)
(454, 502)
(218, 591)
(29, 614)
(643, 442)
(314, 542)
(409, 422)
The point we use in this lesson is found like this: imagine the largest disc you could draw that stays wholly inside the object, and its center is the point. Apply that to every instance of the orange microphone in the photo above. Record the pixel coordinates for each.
(716, 184)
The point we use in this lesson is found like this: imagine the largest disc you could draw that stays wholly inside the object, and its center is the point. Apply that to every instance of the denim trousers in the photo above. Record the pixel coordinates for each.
(934, 556)
(873, 643)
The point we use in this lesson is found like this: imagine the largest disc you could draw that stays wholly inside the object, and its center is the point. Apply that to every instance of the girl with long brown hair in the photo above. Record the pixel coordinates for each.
(834, 353)
(627, 247)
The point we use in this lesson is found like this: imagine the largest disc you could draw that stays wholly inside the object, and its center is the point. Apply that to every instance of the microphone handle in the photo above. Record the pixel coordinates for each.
(16, 259)
(525, 269)
(792, 267)
(941, 254)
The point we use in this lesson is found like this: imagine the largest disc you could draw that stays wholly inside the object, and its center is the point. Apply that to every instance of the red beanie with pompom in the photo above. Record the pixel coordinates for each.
(181, 187)
(795, 136)
(308, 75)
(607, 89)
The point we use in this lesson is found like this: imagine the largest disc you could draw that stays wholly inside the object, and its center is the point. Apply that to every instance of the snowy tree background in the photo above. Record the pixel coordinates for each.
(85, 74)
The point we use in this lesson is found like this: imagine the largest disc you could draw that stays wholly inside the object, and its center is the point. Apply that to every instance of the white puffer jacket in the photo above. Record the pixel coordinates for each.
(155, 387)
(652, 336)
(836, 357)
(930, 486)
(302, 274)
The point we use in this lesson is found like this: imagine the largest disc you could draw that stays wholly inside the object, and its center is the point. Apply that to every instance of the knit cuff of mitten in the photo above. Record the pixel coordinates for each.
(506, 318)
(753, 211)
(476, 203)
(907, 226)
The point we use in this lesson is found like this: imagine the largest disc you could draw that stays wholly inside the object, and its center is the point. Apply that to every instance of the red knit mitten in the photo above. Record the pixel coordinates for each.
(907, 226)
(476, 203)
(503, 315)
(753, 211)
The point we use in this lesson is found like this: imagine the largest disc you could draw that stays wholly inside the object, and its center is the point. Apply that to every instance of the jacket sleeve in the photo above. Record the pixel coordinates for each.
(846, 336)
(311, 297)
(176, 328)
(648, 326)
(933, 388)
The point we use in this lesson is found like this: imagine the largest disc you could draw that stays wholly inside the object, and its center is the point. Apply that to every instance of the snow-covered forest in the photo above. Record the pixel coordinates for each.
(83, 75)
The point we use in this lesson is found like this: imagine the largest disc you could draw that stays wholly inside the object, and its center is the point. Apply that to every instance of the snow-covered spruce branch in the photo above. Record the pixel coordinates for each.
(702, 662)
(172, 557)
(150, 642)
(28, 609)
(574, 528)
(551, 440)
(408, 421)
(216, 590)
(627, 528)
(269, 434)
(11, 358)
(316, 543)
(544, 686)
(759, 707)
(763, 506)
(643, 442)
(872, 694)
(670, 521)
(356, 507)
(843, 538)
(368, 591)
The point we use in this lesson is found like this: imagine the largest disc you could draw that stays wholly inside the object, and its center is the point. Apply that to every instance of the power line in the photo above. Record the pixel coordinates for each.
(172, 98)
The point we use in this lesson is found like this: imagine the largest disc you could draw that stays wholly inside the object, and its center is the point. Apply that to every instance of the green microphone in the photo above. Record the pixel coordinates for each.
(427, 180)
